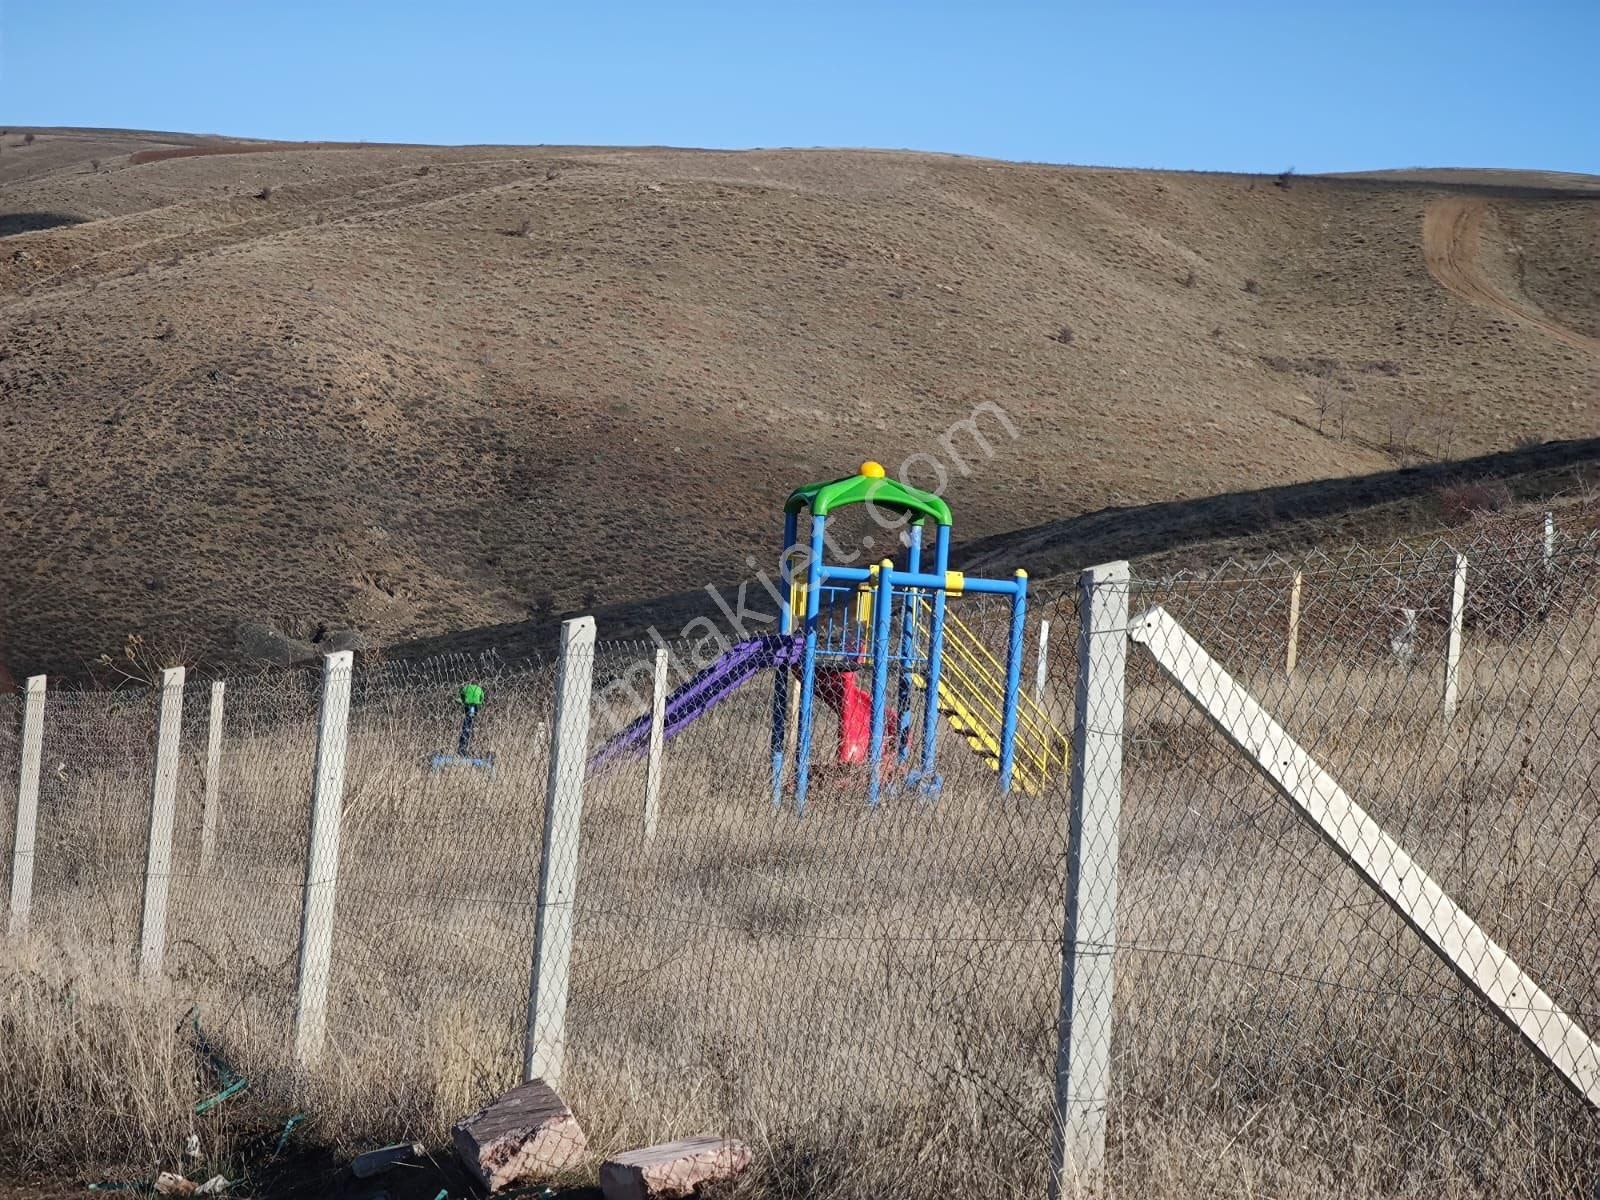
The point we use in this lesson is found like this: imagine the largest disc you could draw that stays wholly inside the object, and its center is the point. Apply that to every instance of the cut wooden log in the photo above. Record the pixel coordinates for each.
(527, 1135)
(672, 1169)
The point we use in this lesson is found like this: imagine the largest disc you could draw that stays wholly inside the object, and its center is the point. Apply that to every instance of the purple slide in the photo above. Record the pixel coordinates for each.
(704, 692)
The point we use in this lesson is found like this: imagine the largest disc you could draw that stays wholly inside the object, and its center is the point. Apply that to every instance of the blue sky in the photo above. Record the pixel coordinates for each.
(1225, 85)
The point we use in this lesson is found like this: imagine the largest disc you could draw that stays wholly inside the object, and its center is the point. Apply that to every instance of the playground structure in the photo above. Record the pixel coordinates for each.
(838, 623)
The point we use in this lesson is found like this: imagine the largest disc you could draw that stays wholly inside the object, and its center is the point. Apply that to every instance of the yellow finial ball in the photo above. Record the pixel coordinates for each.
(872, 470)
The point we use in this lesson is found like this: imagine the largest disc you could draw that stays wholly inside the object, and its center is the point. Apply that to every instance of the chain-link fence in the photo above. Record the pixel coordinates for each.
(1277, 1021)
(873, 998)
(871, 995)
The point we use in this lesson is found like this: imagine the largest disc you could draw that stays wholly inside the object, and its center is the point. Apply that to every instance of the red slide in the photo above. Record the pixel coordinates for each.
(841, 692)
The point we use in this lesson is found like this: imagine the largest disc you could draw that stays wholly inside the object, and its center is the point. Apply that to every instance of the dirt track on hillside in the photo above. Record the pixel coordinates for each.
(1451, 234)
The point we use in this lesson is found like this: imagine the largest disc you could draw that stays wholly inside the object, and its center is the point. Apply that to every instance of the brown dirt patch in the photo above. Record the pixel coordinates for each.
(150, 156)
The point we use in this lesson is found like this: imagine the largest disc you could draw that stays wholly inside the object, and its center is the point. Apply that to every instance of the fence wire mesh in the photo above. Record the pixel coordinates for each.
(871, 998)
(93, 816)
(438, 875)
(1277, 1021)
(234, 918)
(868, 995)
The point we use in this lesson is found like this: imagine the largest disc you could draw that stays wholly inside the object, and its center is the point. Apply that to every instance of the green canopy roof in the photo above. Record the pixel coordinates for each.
(869, 486)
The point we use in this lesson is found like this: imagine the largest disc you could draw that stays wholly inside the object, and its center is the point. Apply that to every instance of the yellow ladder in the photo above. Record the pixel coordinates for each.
(972, 688)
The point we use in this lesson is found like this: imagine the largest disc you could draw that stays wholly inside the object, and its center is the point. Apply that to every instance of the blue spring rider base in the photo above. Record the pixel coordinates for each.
(441, 761)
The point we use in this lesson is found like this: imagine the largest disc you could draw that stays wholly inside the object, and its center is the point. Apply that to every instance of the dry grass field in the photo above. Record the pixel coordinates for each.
(418, 390)
(869, 999)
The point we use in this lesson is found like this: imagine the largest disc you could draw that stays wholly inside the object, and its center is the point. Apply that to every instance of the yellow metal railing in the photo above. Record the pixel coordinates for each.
(972, 692)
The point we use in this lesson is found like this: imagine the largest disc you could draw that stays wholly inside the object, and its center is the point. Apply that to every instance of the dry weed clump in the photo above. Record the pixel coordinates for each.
(95, 1069)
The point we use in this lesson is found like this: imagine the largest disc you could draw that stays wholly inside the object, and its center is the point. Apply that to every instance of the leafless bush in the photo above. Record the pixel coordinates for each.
(1402, 420)
(1460, 503)
(1326, 388)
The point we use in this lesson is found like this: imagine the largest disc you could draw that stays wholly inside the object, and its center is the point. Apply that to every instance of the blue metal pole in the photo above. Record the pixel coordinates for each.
(927, 781)
(1008, 724)
(908, 646)
(808, 670)
(882, 618)
(780, 680)
(970, 584)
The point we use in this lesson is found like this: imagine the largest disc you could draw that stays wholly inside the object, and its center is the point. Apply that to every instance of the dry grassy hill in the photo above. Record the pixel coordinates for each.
(416, 389)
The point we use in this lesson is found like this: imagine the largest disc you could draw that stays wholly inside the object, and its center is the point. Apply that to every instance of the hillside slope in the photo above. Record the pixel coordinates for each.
(417, 389)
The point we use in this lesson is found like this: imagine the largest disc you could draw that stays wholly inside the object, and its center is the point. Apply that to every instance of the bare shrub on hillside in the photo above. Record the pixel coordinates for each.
(1402, 419)
(1326, 387)
(142, 662)
(1459, 503)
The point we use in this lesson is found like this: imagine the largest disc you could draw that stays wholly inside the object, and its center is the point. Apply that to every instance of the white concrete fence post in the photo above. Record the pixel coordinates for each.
(213, 792)
(27, 806)
(1291, 654)
(1083, 1051)
(1041, 665)
(545, 1040)
(322, 860)
(158, 840)
(1452, 654)
(658, 727)
(1548, 587)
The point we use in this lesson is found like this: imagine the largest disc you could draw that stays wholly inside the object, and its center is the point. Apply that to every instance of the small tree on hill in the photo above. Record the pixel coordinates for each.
(1324, 396)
